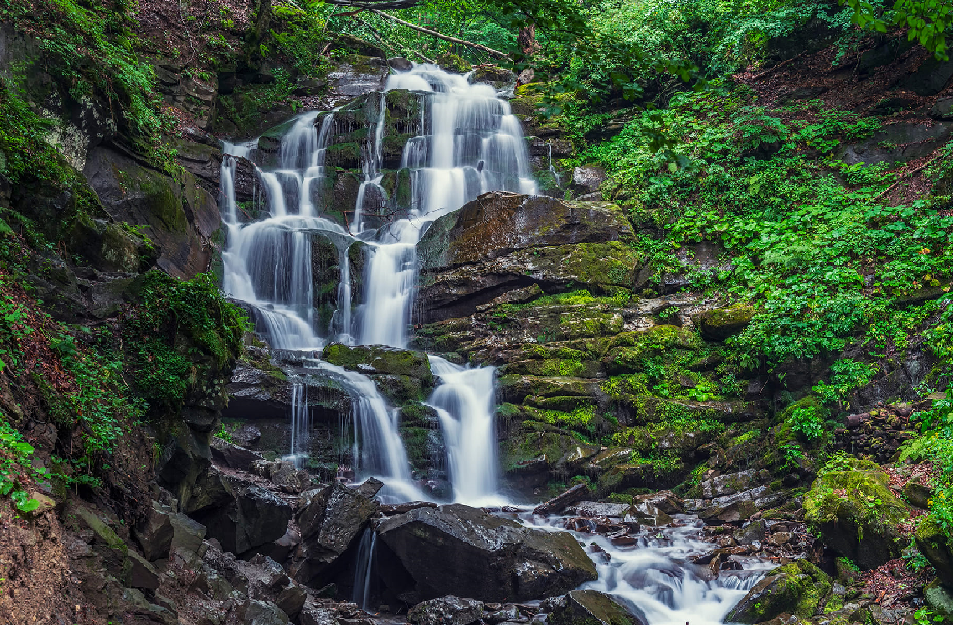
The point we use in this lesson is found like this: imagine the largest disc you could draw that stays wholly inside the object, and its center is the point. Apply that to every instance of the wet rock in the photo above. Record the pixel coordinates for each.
(938, 598)
(314, 615)
(602, 509)
(502, 241)
(727, 484)
(497, 77)
(587, 179)
(750, 533)
(449, 610)
(329, 524)
(458, 550)
(400, 64)
(232, 456)
(155, 532)
(841, 505)
(589, 607)
(564, 499)
(401, 508)
(242, 515)
(378, 359)
(796, 588)
(720, 324)
(263, 613)
(267, 580)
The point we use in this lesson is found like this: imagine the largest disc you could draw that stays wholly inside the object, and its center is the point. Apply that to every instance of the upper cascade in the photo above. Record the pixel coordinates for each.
(376, 170)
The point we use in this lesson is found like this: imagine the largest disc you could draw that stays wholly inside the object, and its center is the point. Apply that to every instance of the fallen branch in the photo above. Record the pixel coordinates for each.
(777, 67)
(403, 49)
(495, 53)
(907, 175)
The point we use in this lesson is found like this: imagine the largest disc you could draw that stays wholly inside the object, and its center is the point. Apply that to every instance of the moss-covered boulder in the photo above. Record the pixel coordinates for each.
(378, 359)
(589, 607)
(721, 323)
(856, 513)
(799, 588)
(935, 544)
(453, 63)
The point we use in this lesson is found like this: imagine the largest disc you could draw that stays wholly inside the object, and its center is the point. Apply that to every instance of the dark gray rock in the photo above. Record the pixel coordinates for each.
(155, 532)
(587, 179)
(232, 456)
(400, 64)
(563, 500)
(458, 550)
(942, 108)
(242, 515)
(333, 519)
(897, 142)
(589, 607)
(263, 613)
(449, 610)
(268, 581)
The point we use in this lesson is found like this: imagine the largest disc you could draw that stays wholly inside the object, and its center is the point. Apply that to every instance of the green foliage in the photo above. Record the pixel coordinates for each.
(934, 444)
(92, 50)
(181, 330)
(927, 21)
(807, 238)
(845, 376)
(14, 463)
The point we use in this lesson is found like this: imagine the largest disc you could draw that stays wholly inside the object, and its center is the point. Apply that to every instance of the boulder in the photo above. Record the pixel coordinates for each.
(856, 513)
(242, 515)
(564, 499)
(796, 588)
(332, 520)
(916, 494)
(267, 580)
(155, 532)
(378, 359)
(459, 550)
(589, 607)
(263, 613)
(449, 610)
(232, 456)
(504, 241)
(721, 323)
(314, 615)
(935, 544)
(938, 599)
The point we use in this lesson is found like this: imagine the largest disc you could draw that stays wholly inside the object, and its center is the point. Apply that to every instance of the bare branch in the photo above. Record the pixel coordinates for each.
(434, 33)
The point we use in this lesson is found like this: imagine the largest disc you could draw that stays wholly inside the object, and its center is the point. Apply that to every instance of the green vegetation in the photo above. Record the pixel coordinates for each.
(14, 463)
(180, 333)
(812, 244)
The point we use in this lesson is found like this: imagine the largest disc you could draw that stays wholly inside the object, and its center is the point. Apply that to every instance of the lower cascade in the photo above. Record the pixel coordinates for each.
(464, 143)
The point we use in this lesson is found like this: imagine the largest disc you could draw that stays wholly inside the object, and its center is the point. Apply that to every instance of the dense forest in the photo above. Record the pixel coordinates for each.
(336, 311)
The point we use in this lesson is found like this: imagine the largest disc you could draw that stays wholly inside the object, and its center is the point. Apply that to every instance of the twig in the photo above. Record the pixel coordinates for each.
(780, 65)
(907, 175)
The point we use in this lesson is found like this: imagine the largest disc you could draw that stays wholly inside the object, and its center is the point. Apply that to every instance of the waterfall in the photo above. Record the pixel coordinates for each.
(362, 570)
(464, 402)
(300, 424)
(469, 143)
(378, 449)
(475, 145)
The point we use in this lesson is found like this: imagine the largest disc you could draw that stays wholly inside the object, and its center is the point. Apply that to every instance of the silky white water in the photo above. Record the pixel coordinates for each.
(655, 577)
(475, 145)
(465, 404)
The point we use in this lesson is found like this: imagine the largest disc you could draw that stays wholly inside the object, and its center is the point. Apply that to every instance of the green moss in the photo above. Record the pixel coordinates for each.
(379, 359)
(453, 63)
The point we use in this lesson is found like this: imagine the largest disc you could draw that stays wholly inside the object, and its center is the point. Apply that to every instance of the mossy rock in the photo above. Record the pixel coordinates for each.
(799, 588)
(938, 598)
(786, 432)
(589, 607)
(401, 389)
(377, 359)
(935, 544)
(856, 513)
(453, 63)
(721, 323)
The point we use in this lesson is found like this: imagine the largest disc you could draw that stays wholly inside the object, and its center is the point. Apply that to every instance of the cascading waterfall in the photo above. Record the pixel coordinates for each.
(474, 145)
(464, 402)
(469, 144)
